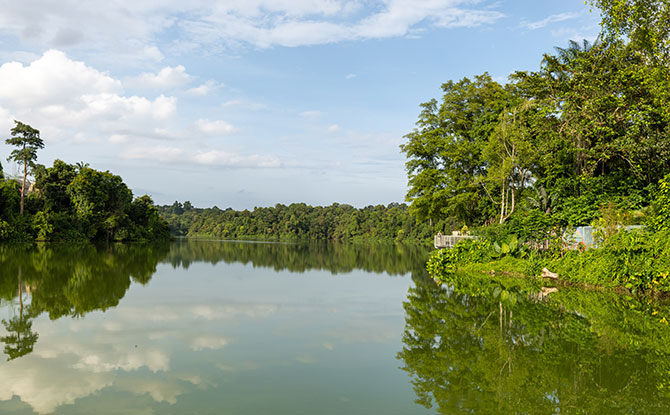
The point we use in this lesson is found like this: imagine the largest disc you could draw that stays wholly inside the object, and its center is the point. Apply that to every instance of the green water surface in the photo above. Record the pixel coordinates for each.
(211, 327)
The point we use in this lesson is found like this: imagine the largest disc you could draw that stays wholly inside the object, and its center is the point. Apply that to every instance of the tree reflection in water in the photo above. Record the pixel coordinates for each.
(67, 281)
(20, 339)
(77, 279)
(471, 351)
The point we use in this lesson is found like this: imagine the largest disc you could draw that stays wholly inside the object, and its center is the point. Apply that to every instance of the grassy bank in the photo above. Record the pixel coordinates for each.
(638, 261)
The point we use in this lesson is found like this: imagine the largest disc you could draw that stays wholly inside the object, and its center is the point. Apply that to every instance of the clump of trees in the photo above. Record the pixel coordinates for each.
(588, 129)
(71, 202)
(298, 221)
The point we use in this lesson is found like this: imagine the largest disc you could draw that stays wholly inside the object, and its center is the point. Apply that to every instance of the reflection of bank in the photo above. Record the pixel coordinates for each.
(20, 339)
(578, 352)
(70, 280)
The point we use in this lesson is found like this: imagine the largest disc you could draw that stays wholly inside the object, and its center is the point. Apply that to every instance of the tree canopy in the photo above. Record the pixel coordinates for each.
(589, 127)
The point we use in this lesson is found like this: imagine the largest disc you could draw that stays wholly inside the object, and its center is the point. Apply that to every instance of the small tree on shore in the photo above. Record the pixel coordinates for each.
(28, 141)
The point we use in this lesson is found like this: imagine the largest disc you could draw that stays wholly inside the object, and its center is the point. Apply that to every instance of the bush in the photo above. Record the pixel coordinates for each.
(661, 206)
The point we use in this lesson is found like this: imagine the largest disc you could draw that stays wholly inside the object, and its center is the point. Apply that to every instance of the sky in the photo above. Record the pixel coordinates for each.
(245, 103)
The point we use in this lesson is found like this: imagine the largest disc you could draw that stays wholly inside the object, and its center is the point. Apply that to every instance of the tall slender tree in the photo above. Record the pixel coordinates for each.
(28, 141)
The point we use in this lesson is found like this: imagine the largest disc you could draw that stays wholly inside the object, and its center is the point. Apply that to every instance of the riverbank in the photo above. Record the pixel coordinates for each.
(638, 261)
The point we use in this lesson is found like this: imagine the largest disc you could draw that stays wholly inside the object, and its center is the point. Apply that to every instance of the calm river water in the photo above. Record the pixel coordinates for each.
(207, 327)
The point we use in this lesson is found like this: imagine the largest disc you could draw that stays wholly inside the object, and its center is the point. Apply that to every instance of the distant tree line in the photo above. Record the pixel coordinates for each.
(297, 221)
(70, 202)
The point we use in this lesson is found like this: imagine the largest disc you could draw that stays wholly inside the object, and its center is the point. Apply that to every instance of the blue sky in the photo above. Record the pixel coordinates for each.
(247, 103)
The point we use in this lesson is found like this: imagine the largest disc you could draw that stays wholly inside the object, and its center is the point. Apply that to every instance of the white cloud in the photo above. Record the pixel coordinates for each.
(59, 95)
(264, 23)
(60, 372)
(333, 128)
(167, 154)
(226, 159)
(204, 89)
(207, 343)
(350, 76)
(554, 18)
(152, 52)
(52, 79)
(132, 25)
(216, 127)
(243, 104)
(46, 383)
(160, 390)
(166, 78)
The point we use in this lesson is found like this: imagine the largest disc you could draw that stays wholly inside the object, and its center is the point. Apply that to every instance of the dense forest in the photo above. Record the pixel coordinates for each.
(584, 140)
(588, 131)
(70, 202)
(296, 222)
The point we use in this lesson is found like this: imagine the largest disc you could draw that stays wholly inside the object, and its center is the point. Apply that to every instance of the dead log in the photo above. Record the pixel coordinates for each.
(548, 274)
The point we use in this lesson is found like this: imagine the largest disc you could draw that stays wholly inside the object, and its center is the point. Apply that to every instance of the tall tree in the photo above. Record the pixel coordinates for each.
(510, 156)
(28, 141)
(445, 164)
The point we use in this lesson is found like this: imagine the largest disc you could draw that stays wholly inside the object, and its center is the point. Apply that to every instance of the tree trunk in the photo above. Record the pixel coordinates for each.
(23, 186)
(502, 202)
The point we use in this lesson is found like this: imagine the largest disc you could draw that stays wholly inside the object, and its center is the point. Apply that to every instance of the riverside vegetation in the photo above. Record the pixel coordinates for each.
(584, 140)
(70, 202)
(298, 222)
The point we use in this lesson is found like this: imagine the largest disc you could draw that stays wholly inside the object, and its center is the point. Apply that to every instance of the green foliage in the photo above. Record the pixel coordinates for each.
(78, 203)
(644, 22)
(509, 246)
(299, 222)
(488, 346)
(444, 263)
(590, 127)
(9, 198)
(445, 160)
(71, 202)
(636, 260)
(661, 206)
(148, 222)
(53, 183)
(100, 200)
(28, 141)
(531, 226)
(20, 339)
